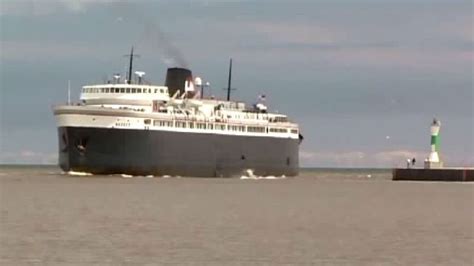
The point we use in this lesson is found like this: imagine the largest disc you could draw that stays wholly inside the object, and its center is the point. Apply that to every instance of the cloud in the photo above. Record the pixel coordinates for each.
(392, 158)
(47, 7)
(45, 49)
(415, 44)
(397, 157)
(28, 157)
(296, 33)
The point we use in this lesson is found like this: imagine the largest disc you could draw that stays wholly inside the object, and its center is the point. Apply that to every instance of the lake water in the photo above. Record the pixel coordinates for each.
(322, 217)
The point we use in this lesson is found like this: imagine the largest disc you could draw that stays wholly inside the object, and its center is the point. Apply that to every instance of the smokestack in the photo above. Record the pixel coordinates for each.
(176, 79)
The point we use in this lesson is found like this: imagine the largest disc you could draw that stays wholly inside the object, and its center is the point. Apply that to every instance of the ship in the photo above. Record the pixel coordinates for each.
(129, 126)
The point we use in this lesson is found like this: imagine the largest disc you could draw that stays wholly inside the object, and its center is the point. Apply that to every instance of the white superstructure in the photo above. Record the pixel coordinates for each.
(139, 106)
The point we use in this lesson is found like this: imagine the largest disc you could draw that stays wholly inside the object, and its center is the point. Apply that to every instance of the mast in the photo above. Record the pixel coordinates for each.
(69, 92)
(130, 67)
(229, 88)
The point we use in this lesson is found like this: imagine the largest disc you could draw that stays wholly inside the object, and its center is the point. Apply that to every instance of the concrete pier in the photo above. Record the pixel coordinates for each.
(440, 174)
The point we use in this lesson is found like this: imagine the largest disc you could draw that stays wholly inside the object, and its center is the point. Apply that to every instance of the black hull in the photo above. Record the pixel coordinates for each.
(149, 152)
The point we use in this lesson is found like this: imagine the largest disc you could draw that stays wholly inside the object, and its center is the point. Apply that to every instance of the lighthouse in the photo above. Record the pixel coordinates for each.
(434, 170)
(433, 160)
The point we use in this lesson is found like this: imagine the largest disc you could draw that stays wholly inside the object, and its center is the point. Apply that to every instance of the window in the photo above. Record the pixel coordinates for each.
(294, 131)
(256, 129)
(134, 90)
(127, 90)
(122, 90)
(117, 90)
(220, 127)
(156, 90)
(180, 124)
(161, 91)
(280, 119)
(278, 130)
(106, 90)
(163, 123)
(139, 90)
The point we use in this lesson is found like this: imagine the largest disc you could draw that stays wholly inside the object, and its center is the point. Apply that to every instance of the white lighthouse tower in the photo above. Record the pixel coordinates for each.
(433, 160)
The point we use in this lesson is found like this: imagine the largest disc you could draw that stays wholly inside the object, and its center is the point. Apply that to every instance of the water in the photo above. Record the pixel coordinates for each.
(322, 217)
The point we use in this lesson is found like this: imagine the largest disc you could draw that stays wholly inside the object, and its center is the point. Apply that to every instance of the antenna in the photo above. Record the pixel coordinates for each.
(229, 82)
(140, 75)
(116, 78)
(131, 55)
(207, 84)
(69, 92)
(199, 82)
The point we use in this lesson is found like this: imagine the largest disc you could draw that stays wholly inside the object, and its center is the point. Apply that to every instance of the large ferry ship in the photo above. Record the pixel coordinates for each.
(128, 126)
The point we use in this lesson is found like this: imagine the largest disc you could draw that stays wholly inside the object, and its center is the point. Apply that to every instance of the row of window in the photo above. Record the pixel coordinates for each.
(277, 130)
(236, 128)
(256, 129)
(159, 123)
(278, 119)
(121, 90)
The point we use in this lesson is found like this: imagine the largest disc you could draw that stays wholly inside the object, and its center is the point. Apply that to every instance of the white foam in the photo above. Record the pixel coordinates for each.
(250, 175)
(270, 177)
(74, 173)
(149, 176)
(126, 176)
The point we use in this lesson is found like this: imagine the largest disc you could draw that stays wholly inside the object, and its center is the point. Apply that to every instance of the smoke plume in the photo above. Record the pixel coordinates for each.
(153, 35)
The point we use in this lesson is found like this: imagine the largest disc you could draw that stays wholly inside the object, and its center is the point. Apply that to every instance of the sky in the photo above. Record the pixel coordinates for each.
(363, 79)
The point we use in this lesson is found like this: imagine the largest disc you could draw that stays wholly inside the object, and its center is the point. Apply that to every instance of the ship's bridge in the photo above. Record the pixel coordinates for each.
(278, 118)
(123, 94)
